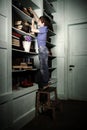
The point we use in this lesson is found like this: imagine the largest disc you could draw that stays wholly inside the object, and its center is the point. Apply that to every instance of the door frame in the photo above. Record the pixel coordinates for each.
(68, 58)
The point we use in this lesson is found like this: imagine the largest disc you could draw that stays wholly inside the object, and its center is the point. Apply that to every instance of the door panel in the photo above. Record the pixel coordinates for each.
(77, 78)
(3, 27)
(3, 71)
(5, 47)
(79, 40)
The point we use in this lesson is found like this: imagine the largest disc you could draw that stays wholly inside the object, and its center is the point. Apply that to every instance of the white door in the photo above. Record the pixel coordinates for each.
(77, 77)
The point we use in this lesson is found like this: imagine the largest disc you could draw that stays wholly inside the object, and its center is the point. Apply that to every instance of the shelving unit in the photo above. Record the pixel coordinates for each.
(17, 52)
(49, 11)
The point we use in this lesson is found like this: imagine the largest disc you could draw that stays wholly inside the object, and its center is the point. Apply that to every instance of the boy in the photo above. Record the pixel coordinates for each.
(42, 30)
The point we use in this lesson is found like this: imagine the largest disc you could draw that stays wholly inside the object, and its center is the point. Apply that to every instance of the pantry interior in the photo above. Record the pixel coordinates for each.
(17, 95)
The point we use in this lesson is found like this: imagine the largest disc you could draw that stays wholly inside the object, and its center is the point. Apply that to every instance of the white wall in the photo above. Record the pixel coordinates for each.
(59, 40)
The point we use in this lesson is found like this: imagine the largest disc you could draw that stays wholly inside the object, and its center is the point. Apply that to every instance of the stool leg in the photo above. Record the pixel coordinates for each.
(48, 99)
(58, 102)
(37, 104)
(55, 94)
(53, 113)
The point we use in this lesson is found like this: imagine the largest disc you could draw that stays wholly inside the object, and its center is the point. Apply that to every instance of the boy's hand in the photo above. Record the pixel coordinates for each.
(30, 9)
(33, 20)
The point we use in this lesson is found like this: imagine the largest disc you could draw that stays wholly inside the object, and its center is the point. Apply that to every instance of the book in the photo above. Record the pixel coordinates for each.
(15, 41)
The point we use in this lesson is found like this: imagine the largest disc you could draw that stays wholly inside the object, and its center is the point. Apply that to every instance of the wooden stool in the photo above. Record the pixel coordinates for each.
(44, 101)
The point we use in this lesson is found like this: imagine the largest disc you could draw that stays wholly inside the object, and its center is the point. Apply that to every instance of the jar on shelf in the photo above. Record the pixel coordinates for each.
(27, 43)
(26, 46)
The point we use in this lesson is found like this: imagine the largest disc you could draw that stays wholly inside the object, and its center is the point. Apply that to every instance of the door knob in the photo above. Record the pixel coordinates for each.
(71, 65)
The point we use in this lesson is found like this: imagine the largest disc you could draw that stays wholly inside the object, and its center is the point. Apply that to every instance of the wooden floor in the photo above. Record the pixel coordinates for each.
(74, 116)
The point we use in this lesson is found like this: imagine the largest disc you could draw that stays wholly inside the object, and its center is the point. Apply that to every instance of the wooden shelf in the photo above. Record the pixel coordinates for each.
(22, 51)
(18, 71)
(29, 3)
(49, 45)
(51, 69)
(51, 33)
(22, 32)
(52, 81)
(52, 57)
(22, 91)
(52, 21)
(22, 14)
(48, 7)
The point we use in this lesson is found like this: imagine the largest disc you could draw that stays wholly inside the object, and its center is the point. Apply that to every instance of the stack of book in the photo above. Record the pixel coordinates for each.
(22, 66)
(27, 11)
(15, 41)
(23, 25)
